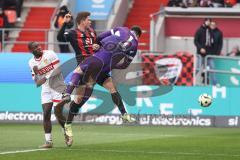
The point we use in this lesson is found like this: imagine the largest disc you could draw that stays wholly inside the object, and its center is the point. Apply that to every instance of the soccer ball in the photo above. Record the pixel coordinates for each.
(205, 100)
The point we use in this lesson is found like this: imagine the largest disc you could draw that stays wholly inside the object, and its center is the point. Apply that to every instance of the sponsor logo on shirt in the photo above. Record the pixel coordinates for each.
(45, 69)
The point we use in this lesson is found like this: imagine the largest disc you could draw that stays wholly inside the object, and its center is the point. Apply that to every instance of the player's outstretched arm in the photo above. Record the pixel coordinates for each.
(103, 35)
(61, 36)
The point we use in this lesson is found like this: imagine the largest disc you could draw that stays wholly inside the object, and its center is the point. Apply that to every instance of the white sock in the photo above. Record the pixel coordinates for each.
(48, 137)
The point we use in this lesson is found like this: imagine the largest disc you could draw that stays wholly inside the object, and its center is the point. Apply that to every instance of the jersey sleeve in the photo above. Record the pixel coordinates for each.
(68, 35)
(103, 35)
(63, 35)
(31, 70)
(55, 62)
(54, 59)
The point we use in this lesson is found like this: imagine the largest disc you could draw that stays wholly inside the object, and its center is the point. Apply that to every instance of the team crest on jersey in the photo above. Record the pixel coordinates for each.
(45, 61)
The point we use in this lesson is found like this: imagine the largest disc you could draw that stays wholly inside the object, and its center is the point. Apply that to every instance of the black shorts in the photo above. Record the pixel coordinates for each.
(101, 77)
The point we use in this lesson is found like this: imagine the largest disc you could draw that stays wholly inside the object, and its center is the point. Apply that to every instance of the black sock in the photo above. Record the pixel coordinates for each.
(72, 112)
(117, 99)
(74, 107)
(87, 94)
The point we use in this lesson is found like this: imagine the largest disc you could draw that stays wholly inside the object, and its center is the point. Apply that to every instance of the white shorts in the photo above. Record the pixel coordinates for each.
(50, 95)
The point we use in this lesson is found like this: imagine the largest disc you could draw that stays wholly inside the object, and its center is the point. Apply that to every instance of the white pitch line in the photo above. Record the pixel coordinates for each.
(124, 151)
(156, 152)
(22, 151)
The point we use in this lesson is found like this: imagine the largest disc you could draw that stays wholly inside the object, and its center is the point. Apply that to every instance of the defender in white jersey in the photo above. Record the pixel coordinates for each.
(46, 73)
(43, 68)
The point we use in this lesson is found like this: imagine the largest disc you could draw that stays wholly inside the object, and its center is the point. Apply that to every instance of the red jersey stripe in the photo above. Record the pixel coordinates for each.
(95, 35)
(90, 48)
(80, 43)
(55, 62)
(55, 100)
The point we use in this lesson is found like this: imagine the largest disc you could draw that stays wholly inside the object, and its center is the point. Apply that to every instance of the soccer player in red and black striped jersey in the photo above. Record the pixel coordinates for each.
(83, 41)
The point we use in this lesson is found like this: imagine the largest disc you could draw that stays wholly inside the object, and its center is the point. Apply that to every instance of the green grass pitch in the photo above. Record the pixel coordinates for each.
(102, 142)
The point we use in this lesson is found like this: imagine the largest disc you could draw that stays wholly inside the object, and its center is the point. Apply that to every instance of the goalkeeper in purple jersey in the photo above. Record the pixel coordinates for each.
(119, 44)
(118, 48)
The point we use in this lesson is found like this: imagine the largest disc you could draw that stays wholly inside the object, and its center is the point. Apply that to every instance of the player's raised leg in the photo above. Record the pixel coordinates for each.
(74, 109)
(76, 104)
(74, 82)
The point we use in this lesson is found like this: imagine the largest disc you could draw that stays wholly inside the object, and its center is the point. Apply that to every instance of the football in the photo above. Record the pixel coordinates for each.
(205, 100)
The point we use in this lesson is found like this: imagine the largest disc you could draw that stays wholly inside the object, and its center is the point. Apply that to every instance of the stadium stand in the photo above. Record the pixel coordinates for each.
(38, 18)
(139, 14)
(178, 25)
(25, 22)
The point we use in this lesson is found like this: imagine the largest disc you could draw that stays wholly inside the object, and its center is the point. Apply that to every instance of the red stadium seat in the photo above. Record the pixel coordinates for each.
(1, 21)
(230, 3)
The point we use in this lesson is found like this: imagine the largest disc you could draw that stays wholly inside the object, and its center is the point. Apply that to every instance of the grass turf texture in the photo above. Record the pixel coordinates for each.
(100, 142)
